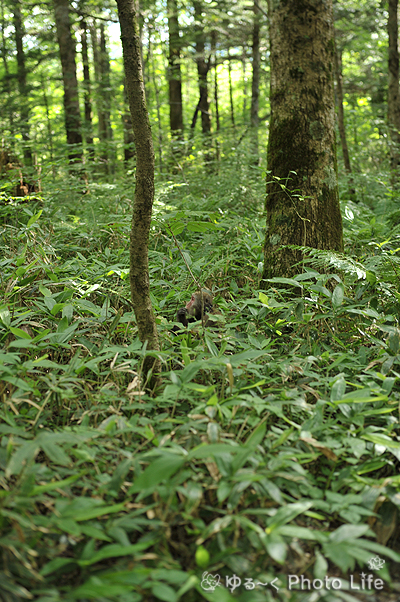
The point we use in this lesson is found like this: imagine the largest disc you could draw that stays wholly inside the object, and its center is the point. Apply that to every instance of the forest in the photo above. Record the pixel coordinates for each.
(200, 301)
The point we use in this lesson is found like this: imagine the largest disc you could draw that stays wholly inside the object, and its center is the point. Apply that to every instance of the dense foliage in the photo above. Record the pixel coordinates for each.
(272, 448)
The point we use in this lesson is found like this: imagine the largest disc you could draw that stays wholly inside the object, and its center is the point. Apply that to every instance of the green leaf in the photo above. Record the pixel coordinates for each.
(34, 218)
(164, 592)
(338, 296)
(18, 332)
(158, 471)
(115, 551)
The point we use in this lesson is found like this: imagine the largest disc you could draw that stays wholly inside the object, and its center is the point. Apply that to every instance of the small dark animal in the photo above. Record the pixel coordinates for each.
(198, 308)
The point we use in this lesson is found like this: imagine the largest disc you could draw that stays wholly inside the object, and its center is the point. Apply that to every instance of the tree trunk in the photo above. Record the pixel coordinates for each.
(393, 90)
(301, 146)
(101, 121)
(66, 44)
(255, 82)
(202, 69)
(7, 77)
(339, 94)
(144, 190)
(87, 89)
(214, 54)
(22, 85)
(129, 140)
(230, 88)
(106, 95)
(174, 72)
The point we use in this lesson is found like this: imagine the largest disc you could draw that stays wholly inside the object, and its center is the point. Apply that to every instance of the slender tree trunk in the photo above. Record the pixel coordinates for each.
(202, 69)
(255, 82)
(158, 109)
(301, 146)
(7, 79)
(230, 88)
(394, 90)
(214, 54)
(101, 120)
(339, 94)
(22, 84)
(87, 88)
(48, 121)
(129, 140)
(144, 191)
(106, 85)
(244, 67)
(174, 72)
(66, 44)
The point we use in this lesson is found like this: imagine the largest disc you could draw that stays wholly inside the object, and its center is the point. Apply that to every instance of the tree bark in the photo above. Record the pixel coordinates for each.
(129, 140)
(106, 94)
(87, 89)
(230, 88)
(66, 44)
(22, 83)
(301, 147)
(255, 82)
(394, 90)
(144, 190)
(7, 76)
(339, 94)
(202, 69)
(101, 121)
(174, 72)
(214, 54)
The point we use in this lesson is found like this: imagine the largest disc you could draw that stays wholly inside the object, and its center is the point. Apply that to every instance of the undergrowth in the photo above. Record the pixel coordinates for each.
(272, 448)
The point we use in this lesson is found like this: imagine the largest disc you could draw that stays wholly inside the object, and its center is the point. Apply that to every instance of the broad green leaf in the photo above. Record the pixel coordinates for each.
(158, 471)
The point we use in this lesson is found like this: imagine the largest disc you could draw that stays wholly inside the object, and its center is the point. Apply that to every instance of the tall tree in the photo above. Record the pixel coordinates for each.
(393, 89)
(174, 72)
(144, 190)
(341, 124)
(66, 44)
(202, 70)
(22, 83)
(87, 88)
(255, 82)
(106, 93)
(301, 146)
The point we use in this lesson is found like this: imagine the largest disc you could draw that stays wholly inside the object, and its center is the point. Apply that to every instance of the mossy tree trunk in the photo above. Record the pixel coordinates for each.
(144, 190)
(301, 147)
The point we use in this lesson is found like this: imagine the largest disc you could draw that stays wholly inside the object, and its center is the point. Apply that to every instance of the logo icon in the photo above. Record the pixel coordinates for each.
(376, 563)
(210, 582)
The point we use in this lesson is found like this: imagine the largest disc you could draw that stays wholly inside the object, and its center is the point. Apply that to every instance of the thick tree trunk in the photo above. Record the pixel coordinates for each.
(301, 147)
(393, 90)
(144, 190)
(21, 77)
(202, 69)
(339, 94)
(66, 44)
(255, 82)
(174, 72)
(87, 89)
